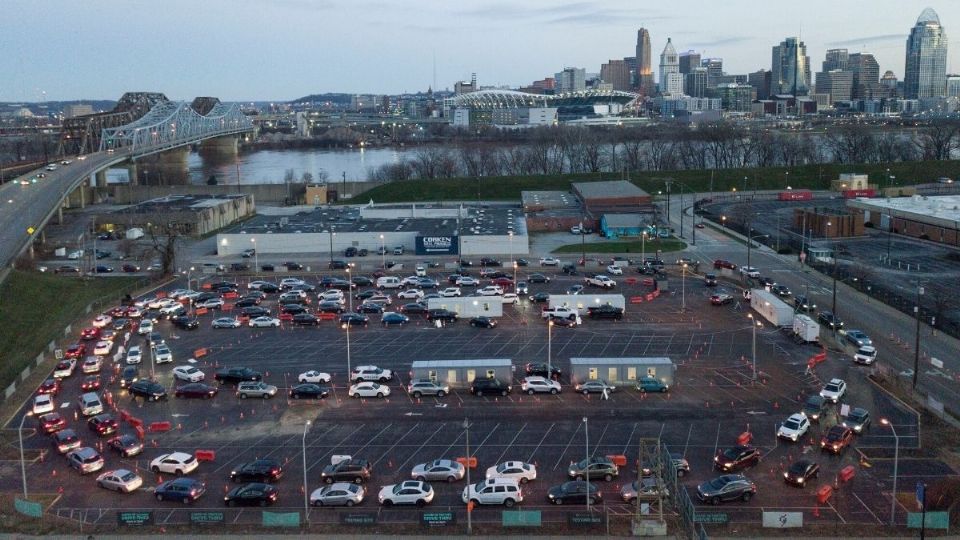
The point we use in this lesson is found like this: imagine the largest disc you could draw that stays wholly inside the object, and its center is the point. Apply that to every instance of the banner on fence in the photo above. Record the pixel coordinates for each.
(28, 508)
(281, 519)
(358, 518)
(710, 517)
(199, 518)
(934, 520)
(584, 519)
(135, 518)
(520, 518)
(437, 519)
(783, 520)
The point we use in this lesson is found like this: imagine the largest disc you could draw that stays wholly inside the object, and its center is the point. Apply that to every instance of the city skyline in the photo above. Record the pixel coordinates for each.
(298, 47)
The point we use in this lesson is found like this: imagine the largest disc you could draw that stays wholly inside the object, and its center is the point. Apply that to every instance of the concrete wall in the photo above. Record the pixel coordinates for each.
(235, 243)
(494, 245)
(262, 193)
(468, 307)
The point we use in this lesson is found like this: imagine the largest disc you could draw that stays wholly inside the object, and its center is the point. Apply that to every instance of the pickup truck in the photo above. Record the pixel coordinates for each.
(600, 280)
(559, 313)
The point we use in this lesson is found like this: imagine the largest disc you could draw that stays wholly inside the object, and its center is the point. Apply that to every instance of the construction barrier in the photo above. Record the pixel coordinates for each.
(656, 293)
(648, 282)
(200, 353)
(205, 455)
(201, 311)
(649, 297)
(631, 281)
(744, 438)
(286, 317)
(327, 316)
(619, 460)
(470, 462)
(636, 299)
(135, 422)
(230, 295)
(159, 427)
(140, 433)
(205, 286)
(824, 493)
(847, 473)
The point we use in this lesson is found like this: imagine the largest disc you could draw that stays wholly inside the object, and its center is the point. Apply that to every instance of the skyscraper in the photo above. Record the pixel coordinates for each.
(671, 81)
(866, 75)
(926, 69)
(570, 80)
(714, 70)
(695, 82)
(644, 67)
(791, 68)
(760, 81)
(836, 82)
(688, 61)
(836, 59)
(617, 74)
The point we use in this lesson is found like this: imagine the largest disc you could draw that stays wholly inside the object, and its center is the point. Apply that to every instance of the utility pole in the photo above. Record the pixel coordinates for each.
(916, 345)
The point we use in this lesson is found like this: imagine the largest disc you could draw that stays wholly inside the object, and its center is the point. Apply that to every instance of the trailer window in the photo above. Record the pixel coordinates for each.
(592, 374)
(491, 373)
(613, 374)
(452, 376)
(471, 375)
(652, 372)
(432, 375)
(632, 373)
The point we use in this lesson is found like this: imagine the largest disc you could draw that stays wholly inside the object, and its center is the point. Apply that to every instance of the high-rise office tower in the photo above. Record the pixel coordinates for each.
(714, 70)
(644, 66)
(695, 82)
(760, 81)
(571, 80)
(926, 68)
(866, 75)
(836, 82)
(791, 68)
(836, 59)
(688, 61)
(671, 81)
(617, 74)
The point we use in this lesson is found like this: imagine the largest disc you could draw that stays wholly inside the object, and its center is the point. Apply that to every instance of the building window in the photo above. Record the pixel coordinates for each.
(432, 375)
(452, 376)
(592, 374)
(471, 375)
(632, 373)
(652, 372)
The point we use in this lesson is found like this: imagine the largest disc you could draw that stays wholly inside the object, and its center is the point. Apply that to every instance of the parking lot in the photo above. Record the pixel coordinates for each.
(715, 398)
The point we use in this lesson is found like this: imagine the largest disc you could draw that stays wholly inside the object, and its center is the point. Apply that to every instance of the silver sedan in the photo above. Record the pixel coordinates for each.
(440, 469)
(338, 494)
(120, 480)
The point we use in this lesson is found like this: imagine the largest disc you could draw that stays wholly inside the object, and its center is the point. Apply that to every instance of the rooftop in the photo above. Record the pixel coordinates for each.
(608, 190)
(537, 201)
(178, 203)
(941, 209)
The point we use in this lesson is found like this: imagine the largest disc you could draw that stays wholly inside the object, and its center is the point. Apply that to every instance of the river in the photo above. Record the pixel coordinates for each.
(270, 166)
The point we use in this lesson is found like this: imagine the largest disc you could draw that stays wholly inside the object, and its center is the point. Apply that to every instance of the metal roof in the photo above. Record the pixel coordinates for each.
(495, 362)
(623, 220)
(608, 190)
(660, 361)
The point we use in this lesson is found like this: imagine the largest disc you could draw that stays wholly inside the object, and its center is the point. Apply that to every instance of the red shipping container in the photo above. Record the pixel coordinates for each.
(854, 193)
(795, 195)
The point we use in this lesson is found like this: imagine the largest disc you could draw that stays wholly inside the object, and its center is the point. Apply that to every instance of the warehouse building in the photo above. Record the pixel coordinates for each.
(934, 218)
(191, 215)
(613, 196)
(460, 373)
(621, 371)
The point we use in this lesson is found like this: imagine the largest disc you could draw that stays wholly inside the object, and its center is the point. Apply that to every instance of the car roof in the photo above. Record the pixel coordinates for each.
(799, 417)
(836, 381)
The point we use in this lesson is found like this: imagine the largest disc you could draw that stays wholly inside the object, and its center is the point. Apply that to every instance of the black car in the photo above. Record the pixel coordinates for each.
(254, 312)
(308, 391)
(223, 284)
(522, 262)
(728, 487)
(575, 491)
(337, 265)
(605, 311)
(207, 295)
(247, 301)
(444, 315)
(780, 290)
(736, 458)
(803, 303)
(483, 322)
(354, 319)
(353, 470)
(538, 278)
(267, 267)
(540, 298)
(305, 287)
(828, 319)
(147, 389)
(293, 266)
(103, 424)
(330, 306)
(292, 309)
(370, 308)
(101, 269)
(239, 267)
(235, 375)
(126, 445)
(129, 375)
(185, 322)
(800, 472)
(569, 269)
(487, 261)
(413, 308)
(196, 390)
(269, 287)
(366, 294)
(542, 370)
(260, 470)
(710, 280)
(255, 494)
(480, 387)
(337, 283)
(306, 319)
(362, 281)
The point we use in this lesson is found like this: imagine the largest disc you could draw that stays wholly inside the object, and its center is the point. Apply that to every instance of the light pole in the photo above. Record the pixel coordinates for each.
(331, 244)
(383, 254)
(754, 324)
(466, 428)
(511, 247)
(683, 288)
(750, 239)
(916, 345)
(350, 289)
(349, 368)
(550, 348)
(23, 463)
(896, 463)
(586, 438)
(514, 276)
(643, 247)
(306, 492)
(723, 222)
(256, 256)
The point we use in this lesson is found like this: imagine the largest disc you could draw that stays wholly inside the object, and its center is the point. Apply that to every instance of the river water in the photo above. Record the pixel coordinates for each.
(270, 166)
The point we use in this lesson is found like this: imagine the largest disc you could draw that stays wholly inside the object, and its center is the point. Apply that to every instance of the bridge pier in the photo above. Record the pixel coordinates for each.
(99, 179)
(60, 215)
(220, 152)
(163, 169)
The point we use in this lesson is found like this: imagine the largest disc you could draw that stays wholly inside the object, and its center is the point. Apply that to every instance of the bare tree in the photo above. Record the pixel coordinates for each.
(164, 236)
(939, 140)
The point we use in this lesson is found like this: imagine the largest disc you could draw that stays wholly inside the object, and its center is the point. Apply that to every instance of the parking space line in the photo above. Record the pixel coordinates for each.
(565, 448)
(479, 446)
(394, 445)
(839, 515)
(419, 448)
(510, 444)
(549, 429)
(687, 443)
(323, 456)
(630, 438)
(868, 508)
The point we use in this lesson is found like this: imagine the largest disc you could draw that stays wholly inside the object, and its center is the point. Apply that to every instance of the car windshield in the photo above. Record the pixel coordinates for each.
(857, 416)
(128, 477)
(718, 483)
(791, 424)
(833, 387)
(798, 467)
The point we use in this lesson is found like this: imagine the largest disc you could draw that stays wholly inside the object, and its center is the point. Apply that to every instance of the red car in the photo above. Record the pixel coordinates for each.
(90, 334)
(91, 383)
(836, 439)
(736, 458)
(76, 350)
(119, 311)
(50, 386)
(503, 282)
(720, 263)
(103, 424)
(52, 422)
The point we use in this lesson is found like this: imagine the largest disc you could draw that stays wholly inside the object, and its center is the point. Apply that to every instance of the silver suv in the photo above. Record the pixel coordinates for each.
(426, 387)
(258, 389)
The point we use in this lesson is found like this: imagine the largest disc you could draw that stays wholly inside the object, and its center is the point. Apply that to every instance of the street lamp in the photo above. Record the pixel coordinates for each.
(916, 348)
(683, 288)
(23, 464)
(383, 254)
(586, 438)
(332, 234)
(750, 244)
(306, 492)
(256, 256)
(723, 221)
(550, 348)
(514, 276)
(754, 324)
(510, 234)
(896, 463)
(350, 288)
(466, 428)
(643, 247)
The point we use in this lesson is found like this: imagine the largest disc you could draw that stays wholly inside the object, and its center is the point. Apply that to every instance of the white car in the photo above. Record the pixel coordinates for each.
(410, 280)
(264, 322)
(535, 384)
(211, 303)
(159, 303)
(103, 348)
(145, 327)
(834, 390)
(74, 255)
(314, 376)
(794, 428)
(102, 321)
(172, 309)
(297, 294)
(490, 290)
(510, 298)
(467, 281)
(331, 295)
(134, 312)
(450, 292)
(225, 322)
(505, 491)
(134, 355)
(42, 404)
(91, 364)
(287, 283)
(188, 373)
(256, 284)
(368, 389)
(614, 270)
(750, 271)
(381, 299)
(549, 261)
(162, 354)
(408, 492)
(178, 463)
(370, 373)
(120, 480)
(411, 294)
(517, 470)
(865, 355)
(69, 364)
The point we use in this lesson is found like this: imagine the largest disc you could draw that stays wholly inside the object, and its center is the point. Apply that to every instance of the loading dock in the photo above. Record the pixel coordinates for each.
(460, 373)
(621, 371)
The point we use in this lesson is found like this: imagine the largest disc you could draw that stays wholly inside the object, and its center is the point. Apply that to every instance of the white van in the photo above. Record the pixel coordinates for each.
(90, 404)
(389, 282)
(421, 271)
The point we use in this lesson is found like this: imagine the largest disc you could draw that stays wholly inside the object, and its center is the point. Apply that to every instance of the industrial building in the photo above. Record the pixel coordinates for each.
(460, 373)
(619, 371)
(935, 218)
(425, 230)
(554, 211)
(191, 215)
(612, 196)
(828, 222)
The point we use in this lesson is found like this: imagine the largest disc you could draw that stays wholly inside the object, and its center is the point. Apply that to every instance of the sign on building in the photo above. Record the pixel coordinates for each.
(437, 245)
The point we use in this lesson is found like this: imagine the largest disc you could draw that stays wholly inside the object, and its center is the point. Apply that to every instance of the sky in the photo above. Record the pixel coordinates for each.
(244, 50)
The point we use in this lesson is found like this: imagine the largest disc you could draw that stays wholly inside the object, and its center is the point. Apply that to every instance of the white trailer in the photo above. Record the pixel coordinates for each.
(135, 233)
(584, 301)
(771, 307)
(805, 329)
(470, 306)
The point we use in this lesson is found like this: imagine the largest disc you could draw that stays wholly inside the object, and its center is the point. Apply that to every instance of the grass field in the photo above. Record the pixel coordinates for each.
(807, 176)
(625, 246)
(35, 307)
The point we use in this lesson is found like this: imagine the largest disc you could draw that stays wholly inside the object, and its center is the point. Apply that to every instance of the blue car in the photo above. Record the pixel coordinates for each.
(391, 318)
(858, 338)
(185, 490)
(650, 384)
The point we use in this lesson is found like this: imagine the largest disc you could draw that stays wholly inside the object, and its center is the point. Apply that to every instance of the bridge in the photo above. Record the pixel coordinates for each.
(28, 203)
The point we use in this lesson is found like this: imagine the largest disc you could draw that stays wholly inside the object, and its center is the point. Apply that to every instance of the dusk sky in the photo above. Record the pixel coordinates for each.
(284, 49)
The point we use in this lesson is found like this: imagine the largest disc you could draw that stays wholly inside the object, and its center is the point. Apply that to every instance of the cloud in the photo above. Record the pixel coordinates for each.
(573, 13)
(718, 42)
(869, 39)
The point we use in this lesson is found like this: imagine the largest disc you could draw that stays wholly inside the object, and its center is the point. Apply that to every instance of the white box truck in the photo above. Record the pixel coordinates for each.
(584, 301)
(771, 308)
(805, 329)
(135, 233)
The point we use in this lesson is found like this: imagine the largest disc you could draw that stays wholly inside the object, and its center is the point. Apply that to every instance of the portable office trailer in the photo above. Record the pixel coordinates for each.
(771, 307)
(805, 329)
(470, 306)
(621, 371)
(460, 373)
(583, 301)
